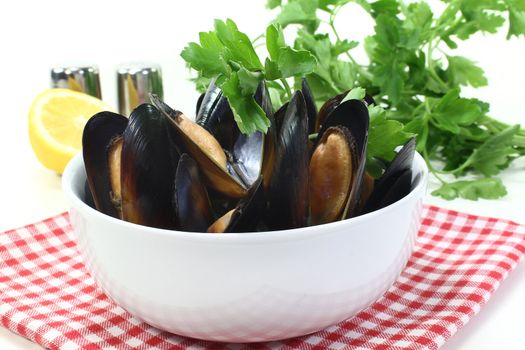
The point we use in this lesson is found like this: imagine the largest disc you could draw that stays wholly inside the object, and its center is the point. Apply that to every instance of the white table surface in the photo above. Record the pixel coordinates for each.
(36, 35)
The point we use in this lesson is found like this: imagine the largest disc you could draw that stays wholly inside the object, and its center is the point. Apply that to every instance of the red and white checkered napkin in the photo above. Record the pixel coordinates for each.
(47, 296)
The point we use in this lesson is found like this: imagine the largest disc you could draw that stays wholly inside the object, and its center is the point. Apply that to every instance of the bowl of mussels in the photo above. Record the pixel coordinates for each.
(205, 232)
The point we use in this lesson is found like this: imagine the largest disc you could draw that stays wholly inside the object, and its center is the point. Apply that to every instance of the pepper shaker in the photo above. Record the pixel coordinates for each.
(82, 78)
(135, 81)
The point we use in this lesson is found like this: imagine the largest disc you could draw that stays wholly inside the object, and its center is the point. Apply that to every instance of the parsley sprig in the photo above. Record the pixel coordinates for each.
(412, 72)
(229, 55)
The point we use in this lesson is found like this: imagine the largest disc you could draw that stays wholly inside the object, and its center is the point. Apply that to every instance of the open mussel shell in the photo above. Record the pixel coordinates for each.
(400, 188)
(279, 117)
(396, 182)
(147, 169)
(204, 149)
(288, 195)
(199, 103)
(247, 214)
(101, 133)
(330, 105)
(216, 116)
(332, 171)
(191, 202)
(311, 108)
(352, 115)
(254, 154)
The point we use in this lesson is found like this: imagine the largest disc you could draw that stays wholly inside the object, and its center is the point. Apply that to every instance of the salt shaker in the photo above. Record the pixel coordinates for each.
(82, 78)
(135, 81)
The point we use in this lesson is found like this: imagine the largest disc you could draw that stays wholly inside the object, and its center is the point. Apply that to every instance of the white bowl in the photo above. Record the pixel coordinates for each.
(246, 287)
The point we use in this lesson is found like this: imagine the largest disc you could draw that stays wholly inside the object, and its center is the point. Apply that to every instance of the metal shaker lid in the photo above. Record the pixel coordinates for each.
(82, 78)
(135, 81)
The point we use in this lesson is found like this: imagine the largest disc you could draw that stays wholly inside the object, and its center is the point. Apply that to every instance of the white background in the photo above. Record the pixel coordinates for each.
(34, 35)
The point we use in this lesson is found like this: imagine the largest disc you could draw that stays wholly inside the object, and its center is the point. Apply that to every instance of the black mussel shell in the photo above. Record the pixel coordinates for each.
(402, 161)
(147, 169)
(400, 188)
(199, 103)
(352, 114)
(288, 195)
(396, 182)
(254, 154)
(369, 100)
(216, 116)
(328, 107)
(279, 117)
(191, 202)
(99, 133)
(215, 174)
(88, 197)
(249, 211)
(311, 108)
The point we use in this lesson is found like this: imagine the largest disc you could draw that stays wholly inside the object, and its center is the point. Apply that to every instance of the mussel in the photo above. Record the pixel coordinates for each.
(329, 106)
(338, 163)
(159, 168)
(333, 166)
(147, 169)
(191, 202)
(246, 215)
(254, 154)
(121, 157)
(288, 192)
(396, 181)
(215, 115)
(101, 140)
(204, 149)
(311, 109)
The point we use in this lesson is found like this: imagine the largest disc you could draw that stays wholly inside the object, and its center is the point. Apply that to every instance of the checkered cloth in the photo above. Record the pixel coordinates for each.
(47, 296)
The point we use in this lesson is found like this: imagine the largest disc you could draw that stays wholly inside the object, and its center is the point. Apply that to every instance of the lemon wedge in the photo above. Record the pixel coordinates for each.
(56, 121)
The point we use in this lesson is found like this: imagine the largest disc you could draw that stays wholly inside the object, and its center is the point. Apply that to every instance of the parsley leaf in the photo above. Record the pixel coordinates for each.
(274, 41)
(357, 93)
(238, 45)
(493, 155)
(285, 61)
(384, 135)
(487, 188)
(452, 112)
(516, 17)
(299, 12)
(388, 71)
(271, 4)
(462, 71)
(209, 57)
(243, 104)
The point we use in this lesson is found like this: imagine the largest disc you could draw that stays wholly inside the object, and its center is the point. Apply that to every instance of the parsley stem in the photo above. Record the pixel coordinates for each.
(430, 63)
(363, 72)
(433, 170)
(258, 38)
(287, 88)
(496, 126)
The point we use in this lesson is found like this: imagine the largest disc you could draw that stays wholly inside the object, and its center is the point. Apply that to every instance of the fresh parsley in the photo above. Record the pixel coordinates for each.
(229, 55)
(412, 73)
